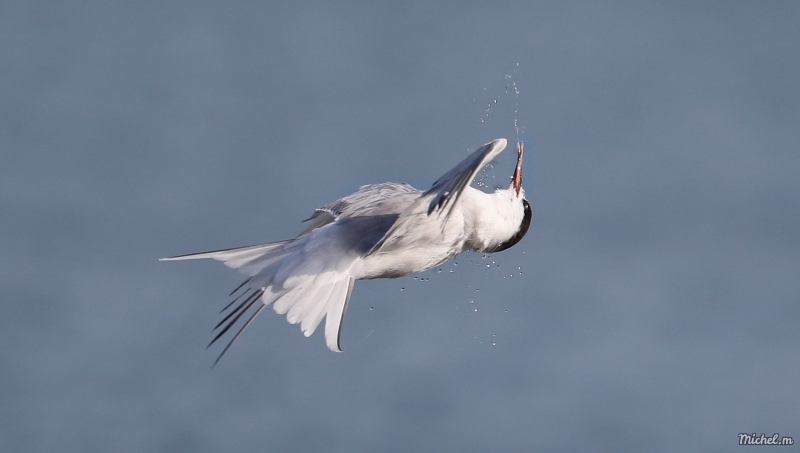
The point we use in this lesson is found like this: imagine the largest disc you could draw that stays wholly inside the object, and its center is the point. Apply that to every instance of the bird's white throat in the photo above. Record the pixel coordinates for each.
(491, 218)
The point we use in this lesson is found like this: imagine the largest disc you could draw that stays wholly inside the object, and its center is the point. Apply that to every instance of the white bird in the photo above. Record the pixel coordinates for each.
(381, 231)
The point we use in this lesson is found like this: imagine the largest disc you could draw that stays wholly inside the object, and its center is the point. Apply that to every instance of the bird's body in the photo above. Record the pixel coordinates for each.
(380, 231)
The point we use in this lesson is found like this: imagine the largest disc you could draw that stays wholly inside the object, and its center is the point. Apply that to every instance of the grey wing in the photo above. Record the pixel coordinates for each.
(447, 189)
(366, 200)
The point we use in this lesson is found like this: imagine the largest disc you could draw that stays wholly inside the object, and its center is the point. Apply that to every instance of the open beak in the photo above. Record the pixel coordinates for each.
(516, 180)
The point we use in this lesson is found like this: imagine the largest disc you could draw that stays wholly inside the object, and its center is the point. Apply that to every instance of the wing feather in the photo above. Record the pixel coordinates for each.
(247, 260)
(448, 189)
(336, 308)
(313, 313)
(445, 192)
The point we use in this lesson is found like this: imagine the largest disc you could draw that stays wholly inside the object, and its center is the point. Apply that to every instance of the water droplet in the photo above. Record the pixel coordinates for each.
(488, 265)
(494, 343)
(440, 271)
(402, 289)
(451, 271)
(371, 308)
(476, 309)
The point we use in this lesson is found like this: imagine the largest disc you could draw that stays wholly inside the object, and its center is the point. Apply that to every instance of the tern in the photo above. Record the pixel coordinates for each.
(383, 230)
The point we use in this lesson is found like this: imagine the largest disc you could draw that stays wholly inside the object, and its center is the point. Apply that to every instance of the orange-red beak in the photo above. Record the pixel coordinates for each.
(516, 180)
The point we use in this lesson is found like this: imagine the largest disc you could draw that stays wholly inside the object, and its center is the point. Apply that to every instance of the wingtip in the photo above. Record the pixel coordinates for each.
(498, 144)
(176, 258)
(336, 347)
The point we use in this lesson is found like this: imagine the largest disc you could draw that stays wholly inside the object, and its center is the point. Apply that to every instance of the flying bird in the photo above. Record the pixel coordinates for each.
(382, 230)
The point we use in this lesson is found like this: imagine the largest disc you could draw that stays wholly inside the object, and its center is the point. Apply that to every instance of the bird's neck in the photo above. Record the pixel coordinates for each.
(491, 218)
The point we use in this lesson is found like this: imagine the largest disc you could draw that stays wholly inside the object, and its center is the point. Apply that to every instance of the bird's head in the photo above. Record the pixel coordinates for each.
(499, 220)
(517, 213)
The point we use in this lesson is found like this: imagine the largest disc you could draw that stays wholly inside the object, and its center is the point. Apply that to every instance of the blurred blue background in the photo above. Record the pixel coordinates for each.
(653, 305)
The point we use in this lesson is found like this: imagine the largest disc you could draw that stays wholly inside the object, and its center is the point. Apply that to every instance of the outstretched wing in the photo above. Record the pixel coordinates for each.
(370, 199)
(309, 285)
(248, 260)
(306, 278)
(446, 191)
